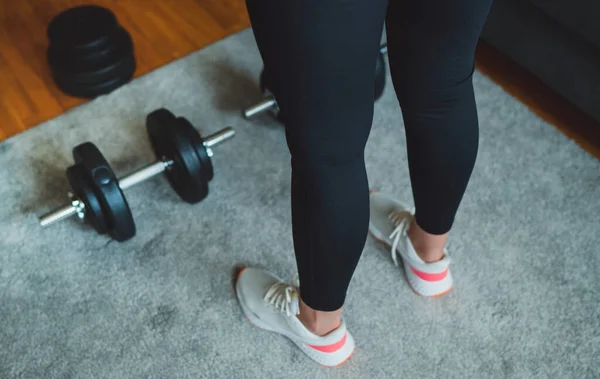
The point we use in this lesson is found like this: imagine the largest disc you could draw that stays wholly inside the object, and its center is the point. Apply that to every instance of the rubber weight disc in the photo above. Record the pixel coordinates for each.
(90, 90)
(83, 189)
(82, 28)
(264, 82)
(379, 76)
(198, 143)
(266, 88)
(170, 139)
(102, 181)
(95, 65)
(100, 71)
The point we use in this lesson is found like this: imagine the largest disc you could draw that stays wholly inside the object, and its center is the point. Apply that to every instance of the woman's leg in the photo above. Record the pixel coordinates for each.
(320, 57)
(323, 65)
(431, 47)
(432, 58)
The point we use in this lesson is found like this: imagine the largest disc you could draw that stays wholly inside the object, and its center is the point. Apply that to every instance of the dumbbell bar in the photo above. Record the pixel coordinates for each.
(268, 103)
(151, 170)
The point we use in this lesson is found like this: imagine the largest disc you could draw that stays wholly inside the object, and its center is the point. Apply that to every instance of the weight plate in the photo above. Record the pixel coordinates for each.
(95, 71)
(263, 82)
(82, 27)
(105, 185)
(265, 89)
(198, 142)
(62, 59)
(82, 189)
(379, 76)
(91, 90)
(171, 141)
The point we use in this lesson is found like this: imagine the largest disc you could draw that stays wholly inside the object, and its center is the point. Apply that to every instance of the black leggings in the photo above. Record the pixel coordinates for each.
(320, 56)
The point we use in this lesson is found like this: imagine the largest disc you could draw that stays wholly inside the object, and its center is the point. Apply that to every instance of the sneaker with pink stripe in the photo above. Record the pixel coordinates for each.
(273, 305)
(389, 223)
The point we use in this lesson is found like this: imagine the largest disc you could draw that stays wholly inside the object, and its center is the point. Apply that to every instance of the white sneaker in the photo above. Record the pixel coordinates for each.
(273, 305)
(389, 223)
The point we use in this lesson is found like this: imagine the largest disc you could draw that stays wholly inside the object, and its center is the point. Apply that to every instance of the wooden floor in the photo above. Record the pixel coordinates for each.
(164, 30)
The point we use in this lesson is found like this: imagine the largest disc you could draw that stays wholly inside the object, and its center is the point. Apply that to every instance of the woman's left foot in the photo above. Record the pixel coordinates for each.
(273, 305)
(389, 223)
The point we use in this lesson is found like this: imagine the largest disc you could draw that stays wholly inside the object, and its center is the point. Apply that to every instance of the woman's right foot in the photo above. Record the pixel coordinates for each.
(389, 223)
(273, 305)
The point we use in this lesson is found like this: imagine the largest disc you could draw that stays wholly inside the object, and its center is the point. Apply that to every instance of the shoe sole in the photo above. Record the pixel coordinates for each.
(262, 326)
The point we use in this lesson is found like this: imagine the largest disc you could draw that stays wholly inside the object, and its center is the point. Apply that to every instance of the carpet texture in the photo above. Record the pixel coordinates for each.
(74, 304)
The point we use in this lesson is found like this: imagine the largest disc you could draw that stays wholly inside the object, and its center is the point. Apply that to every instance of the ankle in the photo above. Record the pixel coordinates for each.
(319, 322)
(429, 247)
(430, 255)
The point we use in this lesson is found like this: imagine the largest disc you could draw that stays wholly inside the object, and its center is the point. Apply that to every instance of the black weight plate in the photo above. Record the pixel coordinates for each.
(197, 141)
(82, 189)
(170, 140)
(379, 76)
(101, 74)
(263, 82)
(91, 90)
(96, 71)
(105, 185)
(265, 86)
(82, 27)
(63, 59)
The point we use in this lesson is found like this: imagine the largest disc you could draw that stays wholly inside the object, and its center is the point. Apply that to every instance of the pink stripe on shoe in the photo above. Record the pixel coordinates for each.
(332, 348)
(430, 277)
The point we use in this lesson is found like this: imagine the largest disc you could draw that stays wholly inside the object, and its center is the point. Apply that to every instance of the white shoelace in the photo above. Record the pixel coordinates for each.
(401, 219)
(281, 296)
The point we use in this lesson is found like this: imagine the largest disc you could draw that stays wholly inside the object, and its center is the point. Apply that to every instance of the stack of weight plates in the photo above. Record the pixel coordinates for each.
(89, 53)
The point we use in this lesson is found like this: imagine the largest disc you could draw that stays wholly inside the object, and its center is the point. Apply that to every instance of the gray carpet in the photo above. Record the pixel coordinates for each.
(73, 304)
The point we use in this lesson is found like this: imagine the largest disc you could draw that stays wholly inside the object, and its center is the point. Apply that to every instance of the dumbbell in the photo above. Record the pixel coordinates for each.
(97, 195)
(269, 103)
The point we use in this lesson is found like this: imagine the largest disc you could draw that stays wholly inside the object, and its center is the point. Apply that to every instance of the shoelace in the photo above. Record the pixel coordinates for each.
(280, 296)
(401, 219)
